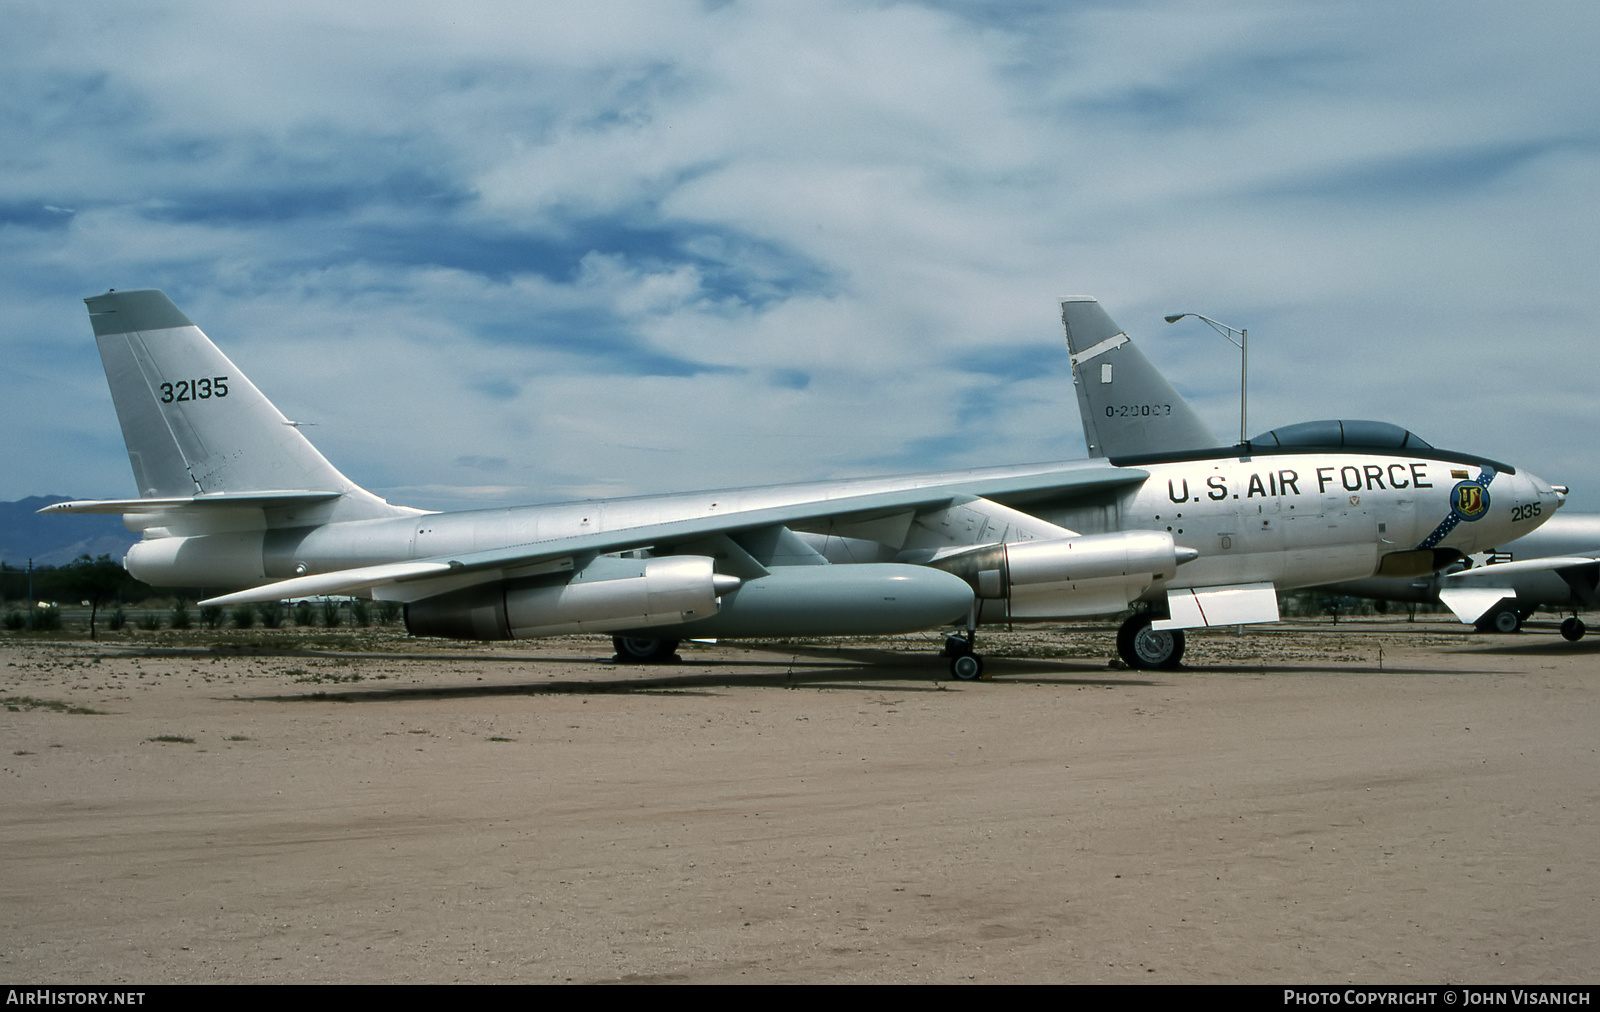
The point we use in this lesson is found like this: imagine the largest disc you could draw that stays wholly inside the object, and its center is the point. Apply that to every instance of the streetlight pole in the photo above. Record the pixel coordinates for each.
(1243, 344)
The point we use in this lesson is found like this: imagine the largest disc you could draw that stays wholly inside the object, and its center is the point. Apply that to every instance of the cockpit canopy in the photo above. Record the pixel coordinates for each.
(1335, 433)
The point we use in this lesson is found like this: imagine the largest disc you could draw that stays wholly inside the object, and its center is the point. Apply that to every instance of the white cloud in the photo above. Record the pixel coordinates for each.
(626, 247)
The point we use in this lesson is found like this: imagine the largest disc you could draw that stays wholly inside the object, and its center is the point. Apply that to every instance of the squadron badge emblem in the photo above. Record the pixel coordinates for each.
(1469, 500)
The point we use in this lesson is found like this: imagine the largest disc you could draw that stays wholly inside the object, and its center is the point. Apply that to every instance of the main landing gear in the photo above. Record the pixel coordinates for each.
(1504, 619)
(1572, 629)
(965, 665)
(1145, 648)
(645, 650)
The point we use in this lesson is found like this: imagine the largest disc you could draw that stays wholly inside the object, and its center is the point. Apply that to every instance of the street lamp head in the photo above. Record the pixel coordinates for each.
(1243, 344)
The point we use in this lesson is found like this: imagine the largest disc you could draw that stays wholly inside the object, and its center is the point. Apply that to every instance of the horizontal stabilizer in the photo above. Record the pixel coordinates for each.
(234, 500)
(1242, 604)
(1472, 603)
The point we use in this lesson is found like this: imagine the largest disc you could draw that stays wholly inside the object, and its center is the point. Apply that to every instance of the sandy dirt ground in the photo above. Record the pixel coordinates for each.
(1376, 802)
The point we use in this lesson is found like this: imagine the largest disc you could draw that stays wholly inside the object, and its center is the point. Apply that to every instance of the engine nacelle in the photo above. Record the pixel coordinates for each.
(201, 560)
(606, 595)
(1066, 577)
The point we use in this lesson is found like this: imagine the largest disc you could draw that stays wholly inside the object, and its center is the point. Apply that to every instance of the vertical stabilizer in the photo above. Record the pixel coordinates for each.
(193, 423)
(1127, 406)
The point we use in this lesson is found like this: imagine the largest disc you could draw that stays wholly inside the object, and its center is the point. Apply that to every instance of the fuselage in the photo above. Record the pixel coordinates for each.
(1293, 519)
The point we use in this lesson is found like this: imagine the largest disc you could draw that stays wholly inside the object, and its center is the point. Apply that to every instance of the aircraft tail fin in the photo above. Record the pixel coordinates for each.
(1127, 406)
(194, 424)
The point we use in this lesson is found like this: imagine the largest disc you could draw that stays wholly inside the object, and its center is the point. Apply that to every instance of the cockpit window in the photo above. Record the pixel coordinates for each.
(1352, 434)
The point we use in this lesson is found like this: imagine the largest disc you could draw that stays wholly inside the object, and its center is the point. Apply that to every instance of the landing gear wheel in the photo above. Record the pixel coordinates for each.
(1572, 629)
(1502, 620)
(1147, 649)
(644, 650)
(966, 667)
(956, 645)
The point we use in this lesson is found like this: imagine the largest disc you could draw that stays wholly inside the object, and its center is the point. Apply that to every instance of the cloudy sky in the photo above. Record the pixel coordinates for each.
(516, 252)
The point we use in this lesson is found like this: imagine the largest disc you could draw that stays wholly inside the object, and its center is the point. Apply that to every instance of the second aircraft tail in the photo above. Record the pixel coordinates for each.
(1128, 407)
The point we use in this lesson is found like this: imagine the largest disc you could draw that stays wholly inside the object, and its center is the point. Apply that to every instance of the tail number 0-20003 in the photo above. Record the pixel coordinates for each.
(202, 389)
(1137, 410)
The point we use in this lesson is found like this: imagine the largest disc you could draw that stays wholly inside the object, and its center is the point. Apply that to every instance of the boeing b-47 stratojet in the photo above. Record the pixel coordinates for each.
(231, 494)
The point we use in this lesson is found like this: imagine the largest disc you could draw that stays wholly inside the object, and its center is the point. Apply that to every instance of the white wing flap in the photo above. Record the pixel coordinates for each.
(1472, 603)
(1241, 604)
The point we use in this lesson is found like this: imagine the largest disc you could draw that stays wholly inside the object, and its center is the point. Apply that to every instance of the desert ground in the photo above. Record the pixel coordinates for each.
(1377, 801)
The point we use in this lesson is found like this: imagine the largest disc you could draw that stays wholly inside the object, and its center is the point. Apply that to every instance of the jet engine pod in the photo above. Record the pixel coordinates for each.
(1065, 577)
(606, 595)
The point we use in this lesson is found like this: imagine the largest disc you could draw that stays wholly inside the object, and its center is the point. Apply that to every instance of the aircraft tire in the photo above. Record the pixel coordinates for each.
(955, 646)
(644, 649)
(1148, 649)
(1572, 629)
(966, 667)
(1505, 619)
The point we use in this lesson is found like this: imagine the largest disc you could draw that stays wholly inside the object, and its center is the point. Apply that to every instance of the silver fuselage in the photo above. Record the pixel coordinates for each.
(1291, 519)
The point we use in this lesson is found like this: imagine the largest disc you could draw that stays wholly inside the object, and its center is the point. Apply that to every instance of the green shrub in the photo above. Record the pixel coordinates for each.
(211, 616)
(302, 613)
(330, 613)
(180, 615)
(271, 614)
(360, 612)
(117, 619)
(244, 617)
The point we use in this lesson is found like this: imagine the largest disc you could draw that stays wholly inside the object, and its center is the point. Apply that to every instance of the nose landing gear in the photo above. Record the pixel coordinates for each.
(644, 650)
(965, 666)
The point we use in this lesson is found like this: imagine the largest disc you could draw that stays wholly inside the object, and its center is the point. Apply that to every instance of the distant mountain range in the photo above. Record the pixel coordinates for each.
(55, 540)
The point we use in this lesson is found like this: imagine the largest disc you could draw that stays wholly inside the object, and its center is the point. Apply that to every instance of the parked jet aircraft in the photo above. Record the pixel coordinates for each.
(231, 494)
(1557, 565)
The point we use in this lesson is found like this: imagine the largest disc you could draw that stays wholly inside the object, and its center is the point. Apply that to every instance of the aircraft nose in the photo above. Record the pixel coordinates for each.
(1553, 496)
(1548, 497)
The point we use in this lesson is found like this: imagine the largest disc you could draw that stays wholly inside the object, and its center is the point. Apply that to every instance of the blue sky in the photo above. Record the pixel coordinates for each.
(506, 252)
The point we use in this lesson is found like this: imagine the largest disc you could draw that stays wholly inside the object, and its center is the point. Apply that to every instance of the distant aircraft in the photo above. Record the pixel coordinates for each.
(1557, 565)
(231, 494)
